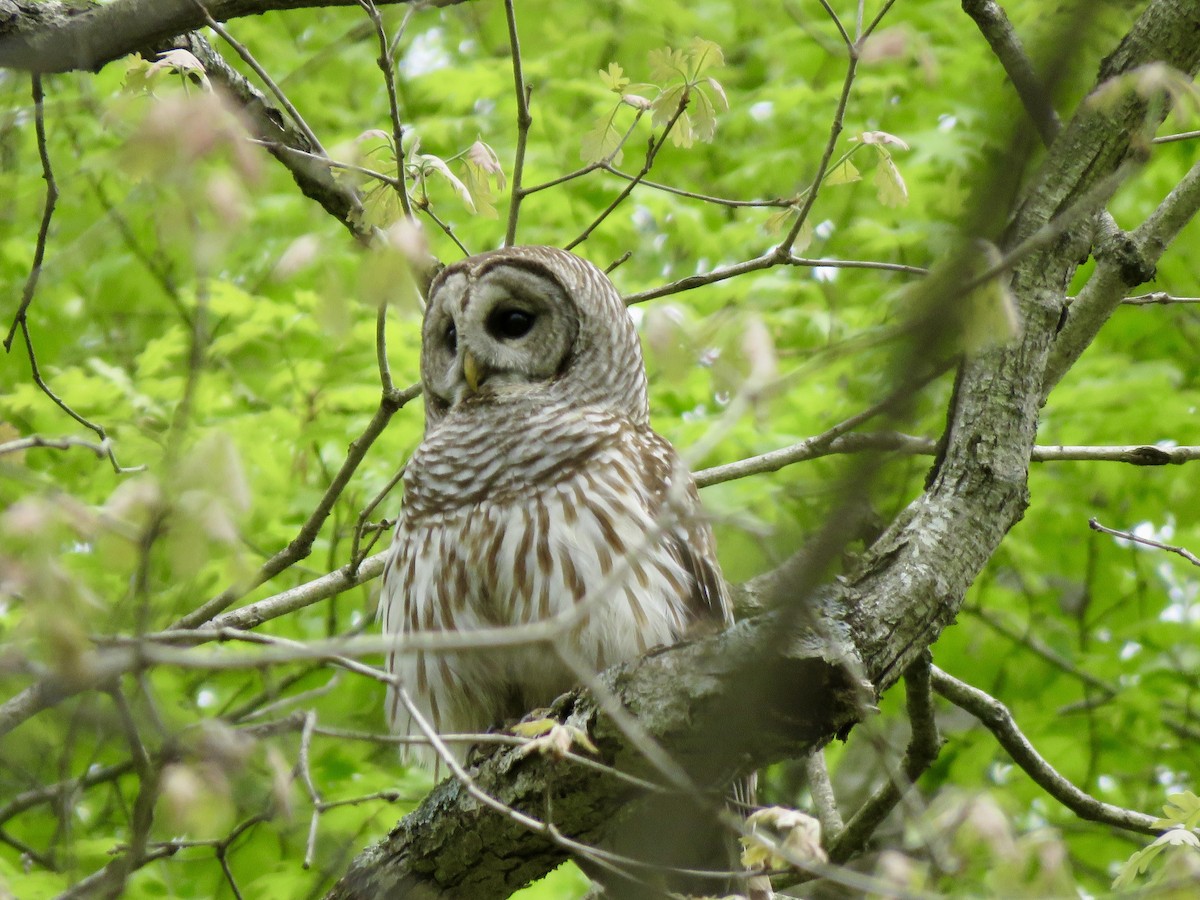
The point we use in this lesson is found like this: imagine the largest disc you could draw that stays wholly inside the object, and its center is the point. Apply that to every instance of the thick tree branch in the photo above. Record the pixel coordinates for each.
(441, 848)
(59, 36)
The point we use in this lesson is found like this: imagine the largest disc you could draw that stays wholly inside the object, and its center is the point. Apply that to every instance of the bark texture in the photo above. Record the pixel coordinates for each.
(56, 36)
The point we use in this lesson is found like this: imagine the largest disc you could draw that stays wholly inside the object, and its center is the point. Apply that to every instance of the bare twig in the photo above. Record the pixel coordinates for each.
(837, 23)
(1159, 298)
(776, 203)
(883, 11)
(21, 320)
(768, 260)
(248, 58)
(605, 164)
(910, 445)
(995, 716)
(656, 144)
(65, 443)
(835, 130)
(39, 249)
(821, 788)
(357, 552)
(1180, 136)
(427, 209)
(1146, 542)
(923, 748)
(524, 121)
(994, 25)
(305, 772)
(386, 66)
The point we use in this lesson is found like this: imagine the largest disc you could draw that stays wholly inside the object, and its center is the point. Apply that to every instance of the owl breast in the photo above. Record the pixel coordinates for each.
(563, 532)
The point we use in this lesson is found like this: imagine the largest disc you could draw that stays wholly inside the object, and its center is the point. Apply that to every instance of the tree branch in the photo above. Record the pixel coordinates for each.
(283, 138)
(1126, 263)
(80, 35)
(996, 717)
(923, 747)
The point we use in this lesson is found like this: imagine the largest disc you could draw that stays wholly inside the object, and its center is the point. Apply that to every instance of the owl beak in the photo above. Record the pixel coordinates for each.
(471, 371)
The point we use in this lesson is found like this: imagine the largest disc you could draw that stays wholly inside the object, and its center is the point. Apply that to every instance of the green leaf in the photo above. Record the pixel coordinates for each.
(1183, 809)
(889, 185)
(667, 103)
(667, 65)
(602, 140)
(614, 78)
(703, 55)
(482, 168)
(721, 99)
(703, 116)
(843, 173)
(427, 163)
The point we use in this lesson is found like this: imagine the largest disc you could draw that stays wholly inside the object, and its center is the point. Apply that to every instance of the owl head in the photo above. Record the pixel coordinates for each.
(535, 322)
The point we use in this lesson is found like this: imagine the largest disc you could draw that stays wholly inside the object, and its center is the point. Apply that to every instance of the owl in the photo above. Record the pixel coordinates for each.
(538, 493)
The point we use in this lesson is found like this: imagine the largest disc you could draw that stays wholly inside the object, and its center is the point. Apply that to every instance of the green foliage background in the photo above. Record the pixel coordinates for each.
(166, 216)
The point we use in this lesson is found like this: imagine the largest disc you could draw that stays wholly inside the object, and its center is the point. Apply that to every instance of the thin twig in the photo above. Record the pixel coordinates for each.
(605, 163)
(39, 250)
(837, 24)
(276, 146)
(996, 717)
(883, 11)
(248, 58)
(357, 552)
(1147, 542)
(65, 443)
(302, 767)
(923, 748)
(778, 202)
(835, 129)
(386, 66)
(427, 208)
(21, 320)
(821, 789)
(768, 260)
(1159, 298)
(1181, 136)
(656, 144)
(524, 121)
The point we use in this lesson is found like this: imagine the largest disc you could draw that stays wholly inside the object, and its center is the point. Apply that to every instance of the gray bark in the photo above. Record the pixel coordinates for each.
(59, 36)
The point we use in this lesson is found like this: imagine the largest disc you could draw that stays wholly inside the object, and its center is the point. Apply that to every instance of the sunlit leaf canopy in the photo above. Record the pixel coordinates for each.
(171, 224)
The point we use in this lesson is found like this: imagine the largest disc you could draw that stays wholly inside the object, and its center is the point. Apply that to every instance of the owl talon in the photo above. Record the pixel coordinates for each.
(552, 738)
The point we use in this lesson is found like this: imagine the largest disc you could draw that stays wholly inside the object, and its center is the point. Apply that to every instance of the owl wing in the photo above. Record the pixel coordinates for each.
(690, 541)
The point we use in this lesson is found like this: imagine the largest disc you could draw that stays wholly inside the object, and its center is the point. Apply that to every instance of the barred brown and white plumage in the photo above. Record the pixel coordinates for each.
(539, 485)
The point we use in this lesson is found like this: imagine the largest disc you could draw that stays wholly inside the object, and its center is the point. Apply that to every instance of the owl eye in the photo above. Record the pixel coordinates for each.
(451, 337)
(509, 324)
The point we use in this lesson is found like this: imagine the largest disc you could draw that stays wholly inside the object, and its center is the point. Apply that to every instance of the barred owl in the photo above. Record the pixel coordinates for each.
(539, 485)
